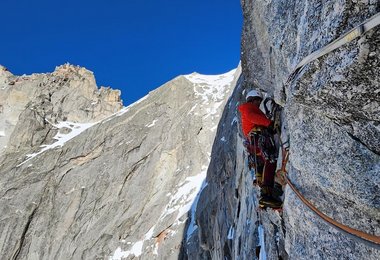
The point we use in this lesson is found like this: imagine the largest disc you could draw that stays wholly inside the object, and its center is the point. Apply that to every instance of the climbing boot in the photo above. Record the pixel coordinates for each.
(270, 202)
(277, 190)
(265, 191)
(259, 177)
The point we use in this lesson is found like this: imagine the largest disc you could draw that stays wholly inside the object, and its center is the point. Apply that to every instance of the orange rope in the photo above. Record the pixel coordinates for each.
(357, 233)
(282, 176)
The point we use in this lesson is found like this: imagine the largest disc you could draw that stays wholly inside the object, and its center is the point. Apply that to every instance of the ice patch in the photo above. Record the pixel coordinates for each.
(2, 133)
(222, 79)
(183, 199)
(118, 255)
(231, 233)
(223, 139)
(193, 226)
(152, 124)
(136, 249)
(192, 109)
(263, 254)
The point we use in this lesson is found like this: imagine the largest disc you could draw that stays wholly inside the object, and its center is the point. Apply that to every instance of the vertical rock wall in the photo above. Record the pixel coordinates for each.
(332, 113)
(331, 117)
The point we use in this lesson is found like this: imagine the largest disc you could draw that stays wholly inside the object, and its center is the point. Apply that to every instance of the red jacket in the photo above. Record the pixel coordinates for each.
(252, 116)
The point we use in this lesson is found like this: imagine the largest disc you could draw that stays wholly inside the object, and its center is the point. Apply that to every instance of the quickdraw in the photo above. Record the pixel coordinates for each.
(281, 173)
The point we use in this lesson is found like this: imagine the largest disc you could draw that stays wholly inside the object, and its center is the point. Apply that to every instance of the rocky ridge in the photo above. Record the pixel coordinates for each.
(30, 105)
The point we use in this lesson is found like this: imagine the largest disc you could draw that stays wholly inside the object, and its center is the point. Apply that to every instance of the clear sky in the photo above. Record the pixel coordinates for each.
(131, 45)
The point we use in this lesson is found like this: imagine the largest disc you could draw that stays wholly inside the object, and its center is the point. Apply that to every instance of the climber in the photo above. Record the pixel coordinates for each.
(258, 131)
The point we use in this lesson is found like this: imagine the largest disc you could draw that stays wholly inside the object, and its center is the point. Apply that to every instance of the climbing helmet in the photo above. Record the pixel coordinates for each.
(254, 93)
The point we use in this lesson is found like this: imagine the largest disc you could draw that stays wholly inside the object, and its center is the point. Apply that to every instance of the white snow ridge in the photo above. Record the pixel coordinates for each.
(211, 87)
(75, 130)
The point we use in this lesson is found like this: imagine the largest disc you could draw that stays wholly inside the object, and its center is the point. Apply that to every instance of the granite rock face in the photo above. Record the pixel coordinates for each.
(331, 118)
(114, 187)
(332, 113)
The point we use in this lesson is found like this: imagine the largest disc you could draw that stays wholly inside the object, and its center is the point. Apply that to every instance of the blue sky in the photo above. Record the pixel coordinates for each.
(131, 45)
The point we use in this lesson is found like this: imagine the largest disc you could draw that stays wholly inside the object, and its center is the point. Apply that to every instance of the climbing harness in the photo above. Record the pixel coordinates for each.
(262, 140)
(267, 146)
(345, 38)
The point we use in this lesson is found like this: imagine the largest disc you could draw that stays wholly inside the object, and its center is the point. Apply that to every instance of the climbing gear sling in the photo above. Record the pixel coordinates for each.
(352, 34)
(258, 167)
(280, 173)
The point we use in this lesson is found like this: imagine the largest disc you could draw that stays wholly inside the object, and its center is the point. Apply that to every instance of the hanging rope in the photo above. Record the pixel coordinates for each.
(281, 174)
(369, 239)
